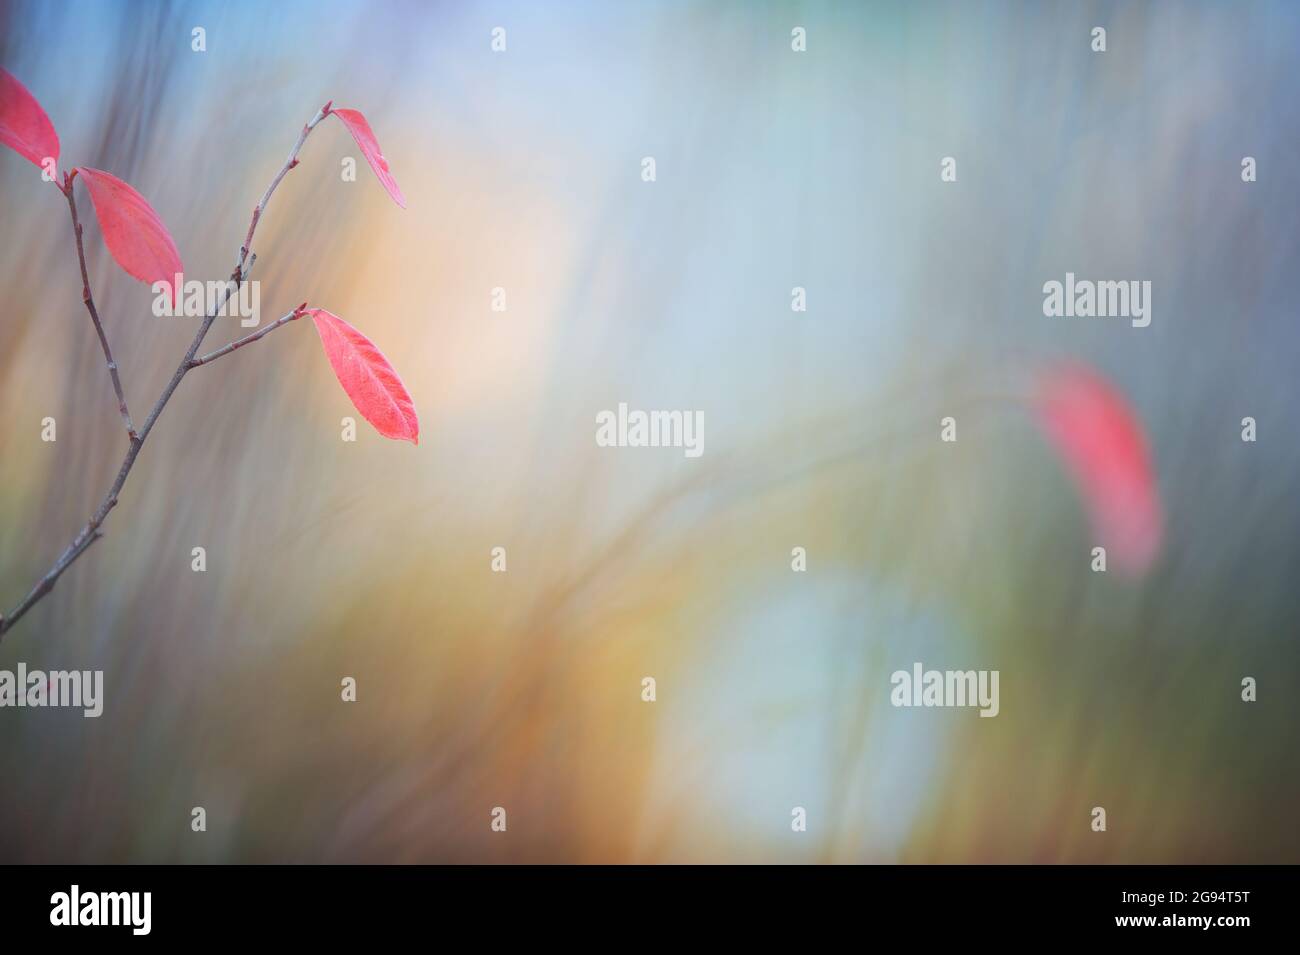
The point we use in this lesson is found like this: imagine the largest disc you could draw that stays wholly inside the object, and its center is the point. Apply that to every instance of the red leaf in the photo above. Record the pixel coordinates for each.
(361, 132)
(1104, 448)
(368, 378)
(132, 231)
(24, 127)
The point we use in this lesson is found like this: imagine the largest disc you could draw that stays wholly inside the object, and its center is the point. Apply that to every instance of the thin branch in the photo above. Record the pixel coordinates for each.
(46, 583)
(91, 532)
(86, 297)
(284, 170)
(293, 316)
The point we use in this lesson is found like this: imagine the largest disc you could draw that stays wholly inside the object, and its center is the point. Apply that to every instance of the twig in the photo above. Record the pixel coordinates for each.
(91, 532)
(293, 316)
(90, 307)
(46, 583)
(288, 164)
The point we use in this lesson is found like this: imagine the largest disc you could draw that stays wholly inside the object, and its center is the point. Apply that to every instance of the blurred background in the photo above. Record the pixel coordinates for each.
(775, 169)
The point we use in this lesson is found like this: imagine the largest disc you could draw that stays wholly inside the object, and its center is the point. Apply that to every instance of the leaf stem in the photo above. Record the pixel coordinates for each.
(293, 316)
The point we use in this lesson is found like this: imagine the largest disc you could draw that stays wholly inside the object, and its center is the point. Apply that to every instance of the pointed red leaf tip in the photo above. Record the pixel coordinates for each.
(365, 137)
(132, 231)
(367, 377)
(24, 127)
(1102, 442)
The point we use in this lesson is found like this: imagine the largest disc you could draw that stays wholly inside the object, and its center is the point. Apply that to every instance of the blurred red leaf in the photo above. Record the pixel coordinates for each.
(1104, 447)
(132, 231)
(368, 378)
(365, 137)
(24, 127)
